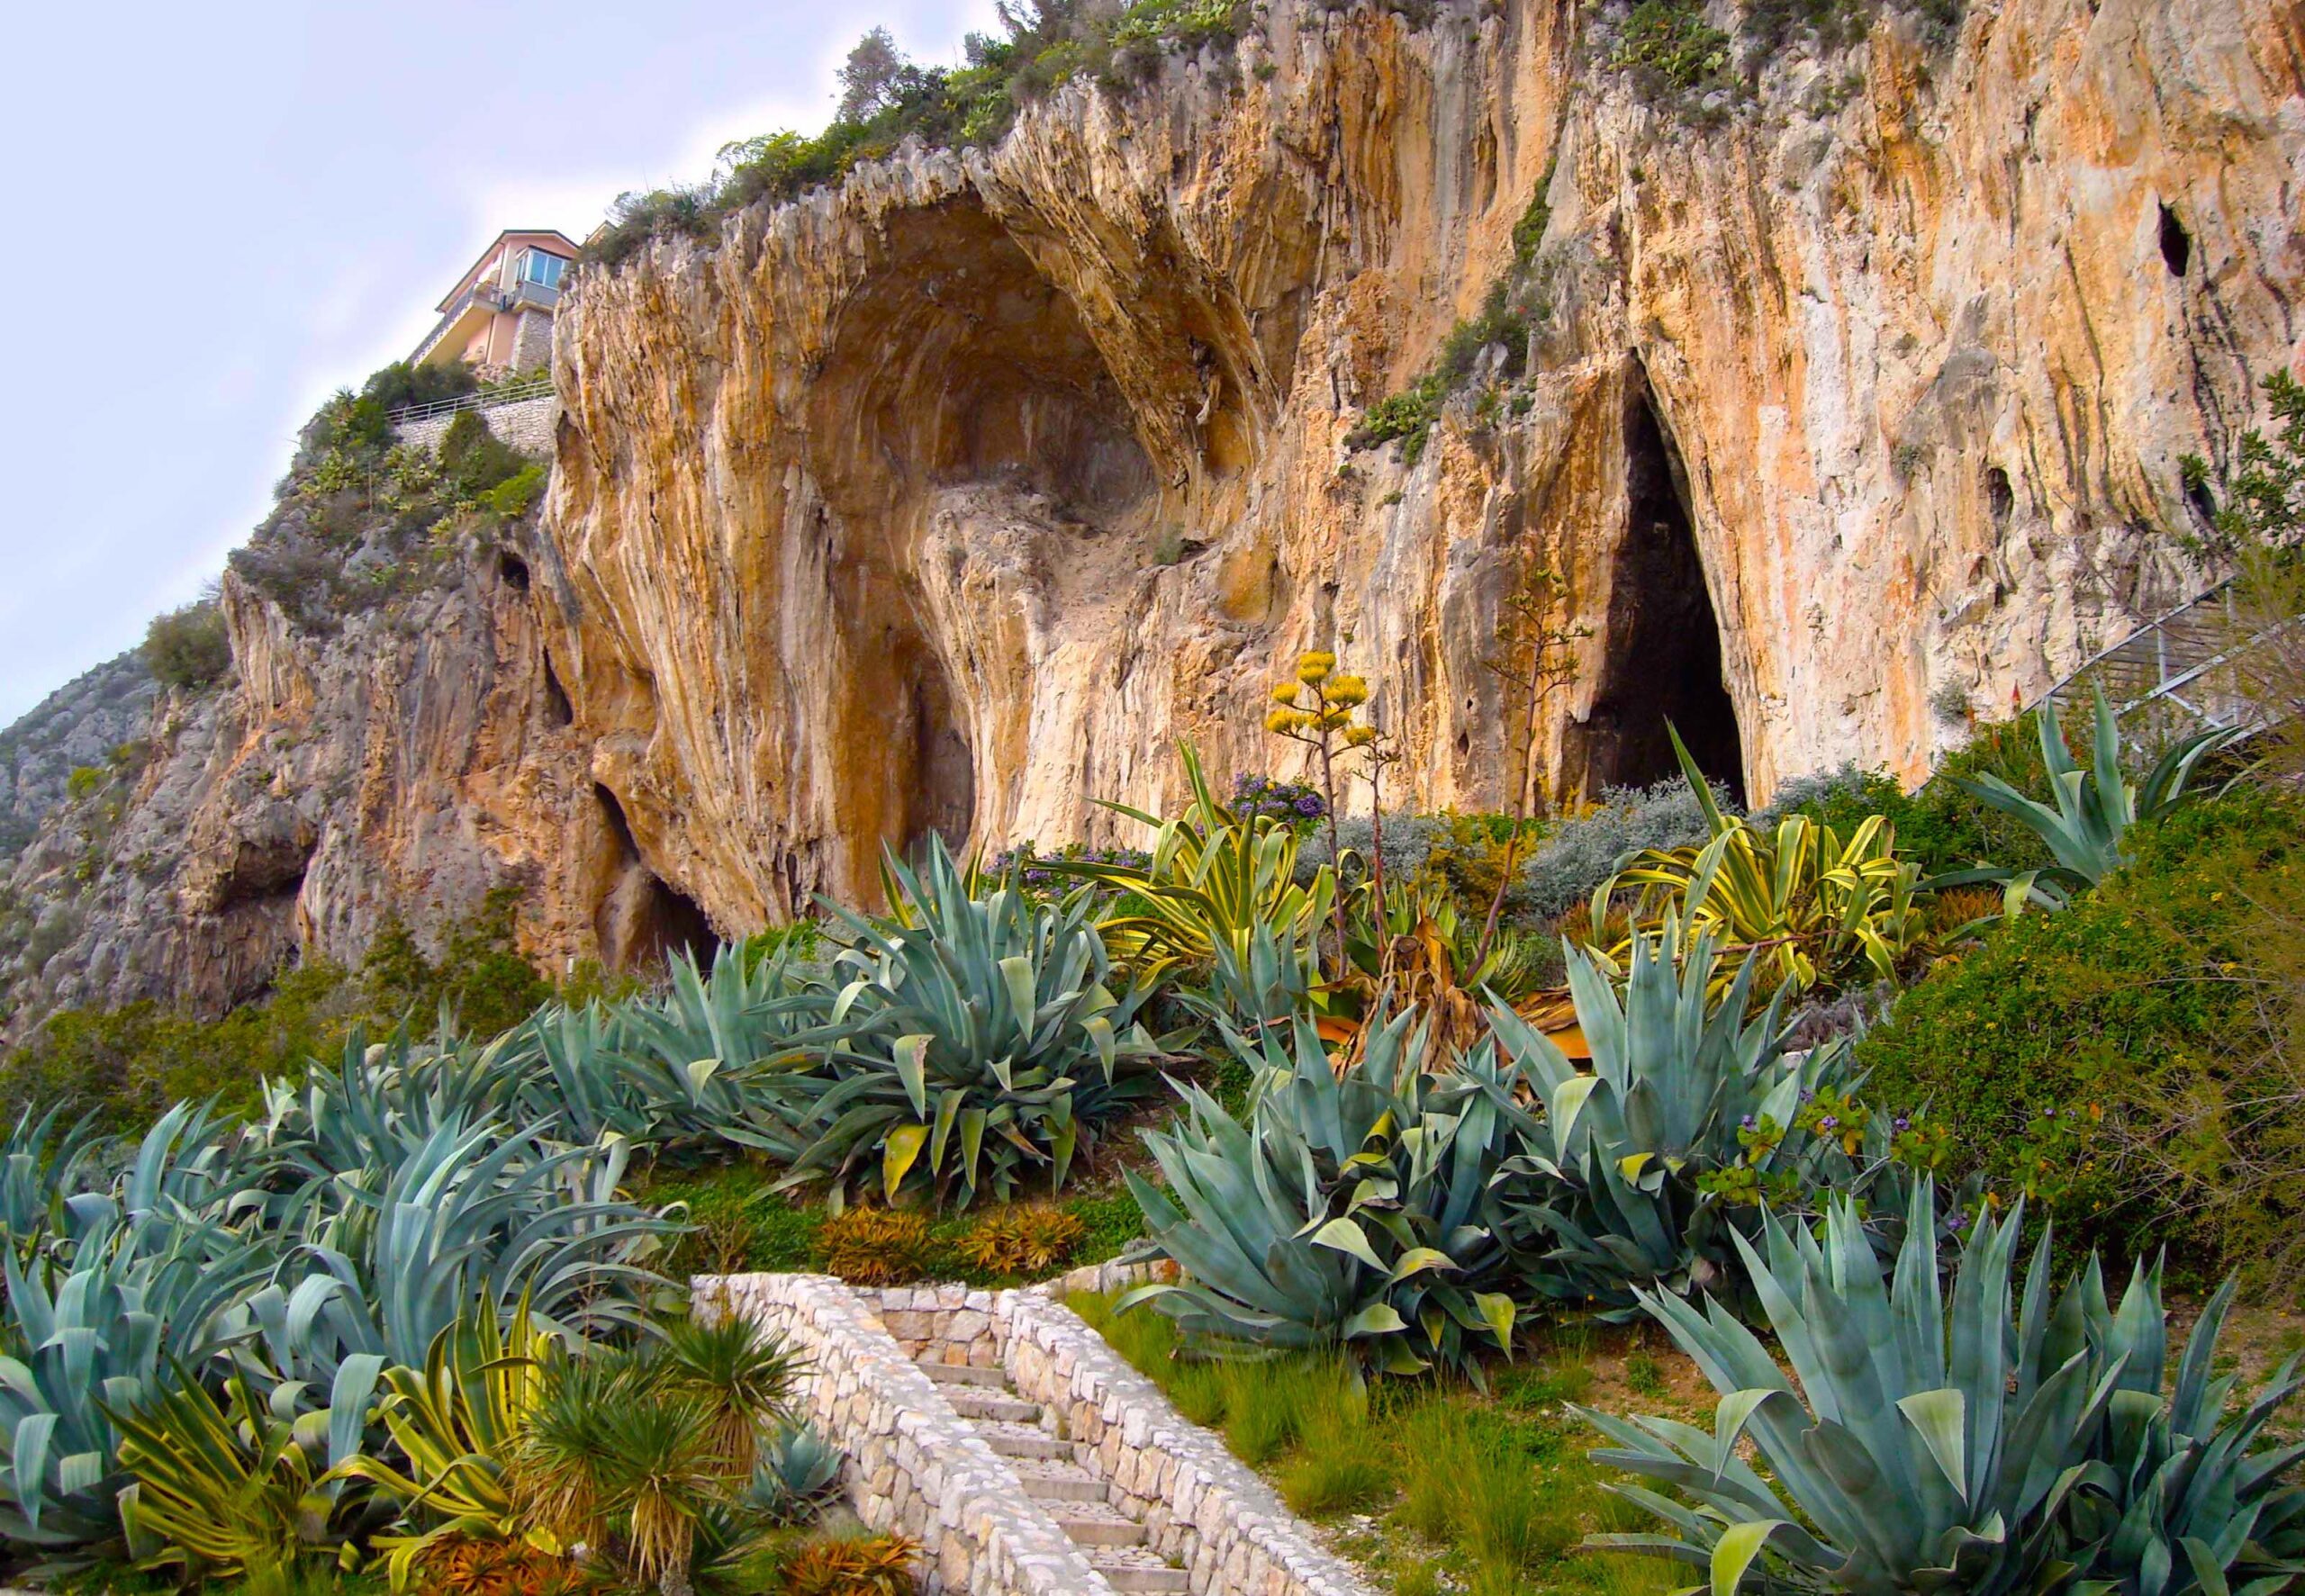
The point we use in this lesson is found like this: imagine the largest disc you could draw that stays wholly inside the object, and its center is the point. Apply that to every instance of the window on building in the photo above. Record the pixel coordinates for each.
(542, 269)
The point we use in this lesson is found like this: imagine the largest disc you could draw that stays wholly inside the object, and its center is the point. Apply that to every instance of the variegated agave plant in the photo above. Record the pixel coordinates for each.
(1979, 1445)
(1352, 1211)
(1614, 1196)
(980, 1043)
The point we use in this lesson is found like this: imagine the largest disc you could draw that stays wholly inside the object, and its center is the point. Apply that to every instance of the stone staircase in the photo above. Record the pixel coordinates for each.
(1056, 1474)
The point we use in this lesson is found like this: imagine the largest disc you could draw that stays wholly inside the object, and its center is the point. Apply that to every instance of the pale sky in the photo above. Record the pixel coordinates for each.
(217, 215)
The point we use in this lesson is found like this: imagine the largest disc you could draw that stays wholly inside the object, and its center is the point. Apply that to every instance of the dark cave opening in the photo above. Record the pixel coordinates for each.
(2176, 243)
(557, 710)
(1662, 655)
(644, 920)
(514, 570)
(2000, 498)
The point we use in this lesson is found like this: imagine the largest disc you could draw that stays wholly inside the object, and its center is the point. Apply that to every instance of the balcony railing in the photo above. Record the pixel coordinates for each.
(485, 399)
(521, 295)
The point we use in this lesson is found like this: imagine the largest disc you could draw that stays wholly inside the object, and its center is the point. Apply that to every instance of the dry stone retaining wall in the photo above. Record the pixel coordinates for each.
(1202, 1507)
(914, 1466)
(917, 1467)
(526, 424)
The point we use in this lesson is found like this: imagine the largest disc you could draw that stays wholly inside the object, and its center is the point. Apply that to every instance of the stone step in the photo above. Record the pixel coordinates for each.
(962, 1373)
(1052, 1480)
(1137, 1568)
(1022, 1440)
(1098, 1524)
(974, 1402)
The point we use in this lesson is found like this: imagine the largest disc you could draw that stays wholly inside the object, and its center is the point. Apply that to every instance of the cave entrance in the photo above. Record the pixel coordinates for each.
(643, 920)
(1661, 641)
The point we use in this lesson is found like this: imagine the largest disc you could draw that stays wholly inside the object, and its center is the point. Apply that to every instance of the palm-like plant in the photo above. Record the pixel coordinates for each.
(1805, 904)
(2090, 812)
(1691, 1114)
(618, 1455)
(1352, 1210)
(979, 1038)
(556, 1473)
(742, 1374)
(658, 1476)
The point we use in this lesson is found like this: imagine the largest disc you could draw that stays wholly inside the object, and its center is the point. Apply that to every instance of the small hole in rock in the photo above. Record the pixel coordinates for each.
(514, 570)
(2000, 499)
(2176, 243)
(2203, 502)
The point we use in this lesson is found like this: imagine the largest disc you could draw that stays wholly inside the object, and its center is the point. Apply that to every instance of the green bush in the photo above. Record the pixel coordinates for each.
(401, 384)
(188, 648)
(516, 495)
(2024, 1045)
(474, 460)
(1669, 48)
(481, 976)
(130, 1064)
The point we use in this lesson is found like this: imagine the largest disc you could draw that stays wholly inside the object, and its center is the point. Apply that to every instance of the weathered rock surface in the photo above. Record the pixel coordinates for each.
(949, 499)
(406, 763)
(81, 724)
(1878, 388)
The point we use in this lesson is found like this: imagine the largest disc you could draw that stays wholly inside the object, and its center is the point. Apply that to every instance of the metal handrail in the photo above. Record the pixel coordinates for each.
(487, 399)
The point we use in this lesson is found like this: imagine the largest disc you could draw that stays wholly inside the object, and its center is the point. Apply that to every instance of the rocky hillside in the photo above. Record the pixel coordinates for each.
(83, 724)
(1848, 398)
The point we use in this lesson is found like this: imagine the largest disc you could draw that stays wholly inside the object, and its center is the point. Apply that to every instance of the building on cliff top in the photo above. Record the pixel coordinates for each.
(499, 315)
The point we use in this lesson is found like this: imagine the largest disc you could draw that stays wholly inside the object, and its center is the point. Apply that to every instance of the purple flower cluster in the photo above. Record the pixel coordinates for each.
(1283, 800)
(1035, 869)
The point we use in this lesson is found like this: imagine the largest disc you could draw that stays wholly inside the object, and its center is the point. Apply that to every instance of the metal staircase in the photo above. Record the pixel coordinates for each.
(2176, 674)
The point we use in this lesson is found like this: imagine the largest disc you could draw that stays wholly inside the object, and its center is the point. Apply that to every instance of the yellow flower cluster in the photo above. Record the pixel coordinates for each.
(1285, 693)
(1347, 690)
(1360, 737)
(1315, 666)
(1290, 720)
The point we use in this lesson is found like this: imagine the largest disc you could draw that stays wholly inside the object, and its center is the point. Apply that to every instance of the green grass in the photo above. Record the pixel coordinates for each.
(1471, 1492)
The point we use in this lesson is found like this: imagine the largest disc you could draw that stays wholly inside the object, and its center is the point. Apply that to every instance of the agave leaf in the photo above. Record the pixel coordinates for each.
(1734, 1552)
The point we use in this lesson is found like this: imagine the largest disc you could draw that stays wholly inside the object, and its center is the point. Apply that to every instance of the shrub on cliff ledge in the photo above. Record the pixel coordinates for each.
(187, 648)
(887, 99)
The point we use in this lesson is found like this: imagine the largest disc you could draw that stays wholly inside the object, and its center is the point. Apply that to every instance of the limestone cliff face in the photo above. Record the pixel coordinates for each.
(950, 499)
(405, 763)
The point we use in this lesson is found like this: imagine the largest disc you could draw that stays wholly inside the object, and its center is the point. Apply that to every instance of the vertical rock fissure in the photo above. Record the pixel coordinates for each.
(943, 774)
(1661, 660)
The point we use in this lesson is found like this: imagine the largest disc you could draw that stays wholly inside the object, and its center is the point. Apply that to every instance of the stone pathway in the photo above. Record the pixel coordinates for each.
(1057, 1473)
